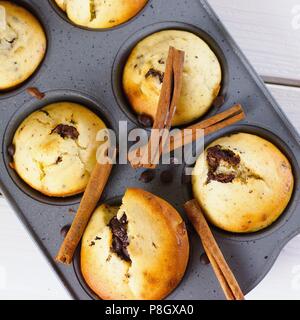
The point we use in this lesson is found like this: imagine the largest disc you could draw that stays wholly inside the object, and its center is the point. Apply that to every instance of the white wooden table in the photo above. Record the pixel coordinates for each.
(269, 33)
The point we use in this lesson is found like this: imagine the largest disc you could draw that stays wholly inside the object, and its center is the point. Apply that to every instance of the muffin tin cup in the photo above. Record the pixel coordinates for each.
(290, 209)
(88, 66)
(130, 43)
(64, 17)
(34, 105)
(8, 93)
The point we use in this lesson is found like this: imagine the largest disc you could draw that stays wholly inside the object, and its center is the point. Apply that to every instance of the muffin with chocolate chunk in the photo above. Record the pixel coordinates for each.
(243, 183)
(55, 148)
(144, 74)
(22, 44)
(138, 251)
(100, 14)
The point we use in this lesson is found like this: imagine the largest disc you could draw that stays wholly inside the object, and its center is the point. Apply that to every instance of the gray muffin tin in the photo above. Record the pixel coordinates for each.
(85, 66)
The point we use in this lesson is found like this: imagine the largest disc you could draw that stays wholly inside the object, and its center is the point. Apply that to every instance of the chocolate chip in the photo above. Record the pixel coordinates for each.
(161, 61)
(66, 131)
(221, 177)
(92, 243)
(11, 150)
(120, 240)
(155, 73)
(64, 230)
(145, 120)
(36, 93)
(214, 157)
(58, 160)
(218, 102)
(204, 259)
(166, 176)
(147, 176)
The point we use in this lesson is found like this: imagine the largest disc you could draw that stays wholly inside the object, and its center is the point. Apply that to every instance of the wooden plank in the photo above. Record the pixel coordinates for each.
(289, 100)
(24, 271)
(268, 32)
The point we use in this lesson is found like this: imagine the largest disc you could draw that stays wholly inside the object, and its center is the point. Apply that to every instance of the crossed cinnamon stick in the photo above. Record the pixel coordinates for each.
(148, 156)
(169, 97)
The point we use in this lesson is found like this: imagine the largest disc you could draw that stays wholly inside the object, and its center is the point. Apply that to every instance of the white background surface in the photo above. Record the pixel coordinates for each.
(269, 33)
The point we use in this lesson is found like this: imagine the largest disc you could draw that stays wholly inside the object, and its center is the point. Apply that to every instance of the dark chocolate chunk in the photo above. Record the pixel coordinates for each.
(58, 160)
(120, 240)
(36, 93)
(221, 177)
(204, 259)
(66, 131)
(214, 157)
(145, 120)
(147, 176)
(11, 150)
(218, 102)
(166, 176)
(155, 73)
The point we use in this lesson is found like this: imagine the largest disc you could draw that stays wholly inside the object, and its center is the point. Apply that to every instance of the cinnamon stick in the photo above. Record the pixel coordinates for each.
(209, 126)
(169, 97)
(225, 276)
(91, 196)
(223, 283)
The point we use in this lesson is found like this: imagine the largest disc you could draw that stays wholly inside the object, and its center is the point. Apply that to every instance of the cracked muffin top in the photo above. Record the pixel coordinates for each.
(242, 182)
(100, 13)
(55, 148)
(138, 251)
(144, 74)
(22, 45)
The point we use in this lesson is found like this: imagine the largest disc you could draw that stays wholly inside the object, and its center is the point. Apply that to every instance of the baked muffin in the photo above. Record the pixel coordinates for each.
(243, 183)
(22, 45)
(144, 72)
(136, 252)
(100, 13)
(55, 148)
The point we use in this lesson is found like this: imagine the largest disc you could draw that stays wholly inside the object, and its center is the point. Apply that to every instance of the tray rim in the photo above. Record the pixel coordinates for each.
(255, 77)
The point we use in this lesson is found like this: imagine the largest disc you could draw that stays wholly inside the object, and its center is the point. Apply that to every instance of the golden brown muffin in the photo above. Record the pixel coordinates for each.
(144, 72)
(22, 45)
(243, 183)
(136, 252)
(55, 148)
(99, 13)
